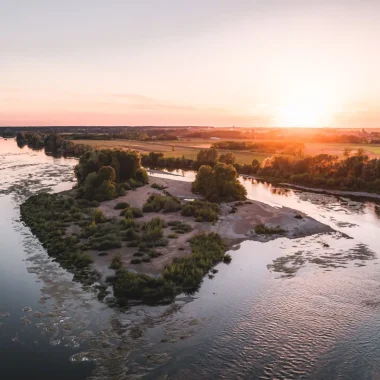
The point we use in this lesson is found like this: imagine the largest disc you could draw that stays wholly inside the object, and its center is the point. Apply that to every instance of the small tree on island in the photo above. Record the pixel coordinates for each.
(219, 184)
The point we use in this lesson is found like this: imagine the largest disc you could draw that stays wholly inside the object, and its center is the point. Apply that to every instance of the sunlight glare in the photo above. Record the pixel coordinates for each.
(305, 110)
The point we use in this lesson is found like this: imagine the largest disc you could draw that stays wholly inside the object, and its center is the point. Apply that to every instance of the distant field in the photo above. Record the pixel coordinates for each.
(189, 149)
(313, 149)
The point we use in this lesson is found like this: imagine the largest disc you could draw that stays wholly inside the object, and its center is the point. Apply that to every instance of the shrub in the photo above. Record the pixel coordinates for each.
(158, 186)
(203, 211)
(121, 206)
(135, 261)
(180, 227)
(262, 229)
(137, 212)
(98, 216)
(116, 262)
(156, 203)
(127, 213)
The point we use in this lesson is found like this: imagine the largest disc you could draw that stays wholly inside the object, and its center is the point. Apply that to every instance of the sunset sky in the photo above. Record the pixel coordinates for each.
(203, 62)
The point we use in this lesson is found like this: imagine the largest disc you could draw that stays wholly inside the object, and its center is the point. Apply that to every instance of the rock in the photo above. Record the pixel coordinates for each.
(103, 254)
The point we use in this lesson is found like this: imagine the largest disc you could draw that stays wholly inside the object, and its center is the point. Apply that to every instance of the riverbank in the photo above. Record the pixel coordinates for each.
(353, 194)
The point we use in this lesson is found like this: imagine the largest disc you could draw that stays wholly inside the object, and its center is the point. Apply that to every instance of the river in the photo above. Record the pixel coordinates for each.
(288, 309)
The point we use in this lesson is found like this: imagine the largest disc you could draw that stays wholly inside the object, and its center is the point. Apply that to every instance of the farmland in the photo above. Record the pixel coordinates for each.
(190, 148)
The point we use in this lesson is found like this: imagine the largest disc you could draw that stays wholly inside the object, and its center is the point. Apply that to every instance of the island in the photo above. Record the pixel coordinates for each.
(150, 238)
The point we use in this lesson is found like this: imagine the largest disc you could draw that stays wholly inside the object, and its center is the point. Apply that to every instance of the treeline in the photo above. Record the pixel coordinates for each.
(283, 147)
(356, 173)
(209, 157)
(52, 143)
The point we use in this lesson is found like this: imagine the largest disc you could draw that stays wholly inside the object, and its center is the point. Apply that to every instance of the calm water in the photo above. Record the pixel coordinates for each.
(314, 314)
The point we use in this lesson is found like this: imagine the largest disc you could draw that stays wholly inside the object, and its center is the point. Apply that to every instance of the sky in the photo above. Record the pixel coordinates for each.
(256, 63)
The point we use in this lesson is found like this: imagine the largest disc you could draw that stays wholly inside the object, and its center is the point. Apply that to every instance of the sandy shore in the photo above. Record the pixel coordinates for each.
(233, 227)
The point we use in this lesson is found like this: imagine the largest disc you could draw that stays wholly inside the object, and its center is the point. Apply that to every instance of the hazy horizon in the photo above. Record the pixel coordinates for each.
(254, 64)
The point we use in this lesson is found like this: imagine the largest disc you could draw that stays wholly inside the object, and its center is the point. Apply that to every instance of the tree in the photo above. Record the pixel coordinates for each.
(255, 165)
(207, 157)
(106, 173)
(219, 184)
(347, 152)
(360, 152)
(227, 158)
(204, 180)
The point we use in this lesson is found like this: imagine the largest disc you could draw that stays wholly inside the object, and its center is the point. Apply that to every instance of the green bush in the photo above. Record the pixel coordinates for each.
(98, 216)
(137, 212)
(158, 186)
(156, 203)
(203, 211)
(121, 205)
(262, 229)
(116, 262)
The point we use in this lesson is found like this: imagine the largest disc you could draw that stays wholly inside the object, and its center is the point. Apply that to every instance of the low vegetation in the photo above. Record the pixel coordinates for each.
(262, 229)
(183, 275)
(202, 211)
(165, 203)
(48, 216)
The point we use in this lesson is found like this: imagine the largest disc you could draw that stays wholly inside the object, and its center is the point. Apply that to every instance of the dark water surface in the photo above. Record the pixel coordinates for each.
(287, 309)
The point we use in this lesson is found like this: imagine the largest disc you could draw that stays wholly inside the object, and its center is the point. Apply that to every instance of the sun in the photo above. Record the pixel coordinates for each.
(305, 110)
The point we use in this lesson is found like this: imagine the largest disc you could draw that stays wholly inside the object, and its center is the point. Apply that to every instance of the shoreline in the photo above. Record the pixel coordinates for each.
(354, 194)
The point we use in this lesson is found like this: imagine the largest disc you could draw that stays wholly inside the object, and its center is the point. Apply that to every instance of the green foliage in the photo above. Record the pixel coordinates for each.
(262, 229)
(203, 211)
(219, 184)
(184, 274)
(116, 262)
(180, 227)
(99, 171)
(137, 212)
(121, 205)
(98, 216)
(207, 157)
(158, 186)
(227, 158)
(355, 173)
(47, 216)
(156, 203)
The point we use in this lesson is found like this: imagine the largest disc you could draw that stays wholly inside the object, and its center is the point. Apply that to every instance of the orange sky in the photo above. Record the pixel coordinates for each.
(167, 62)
